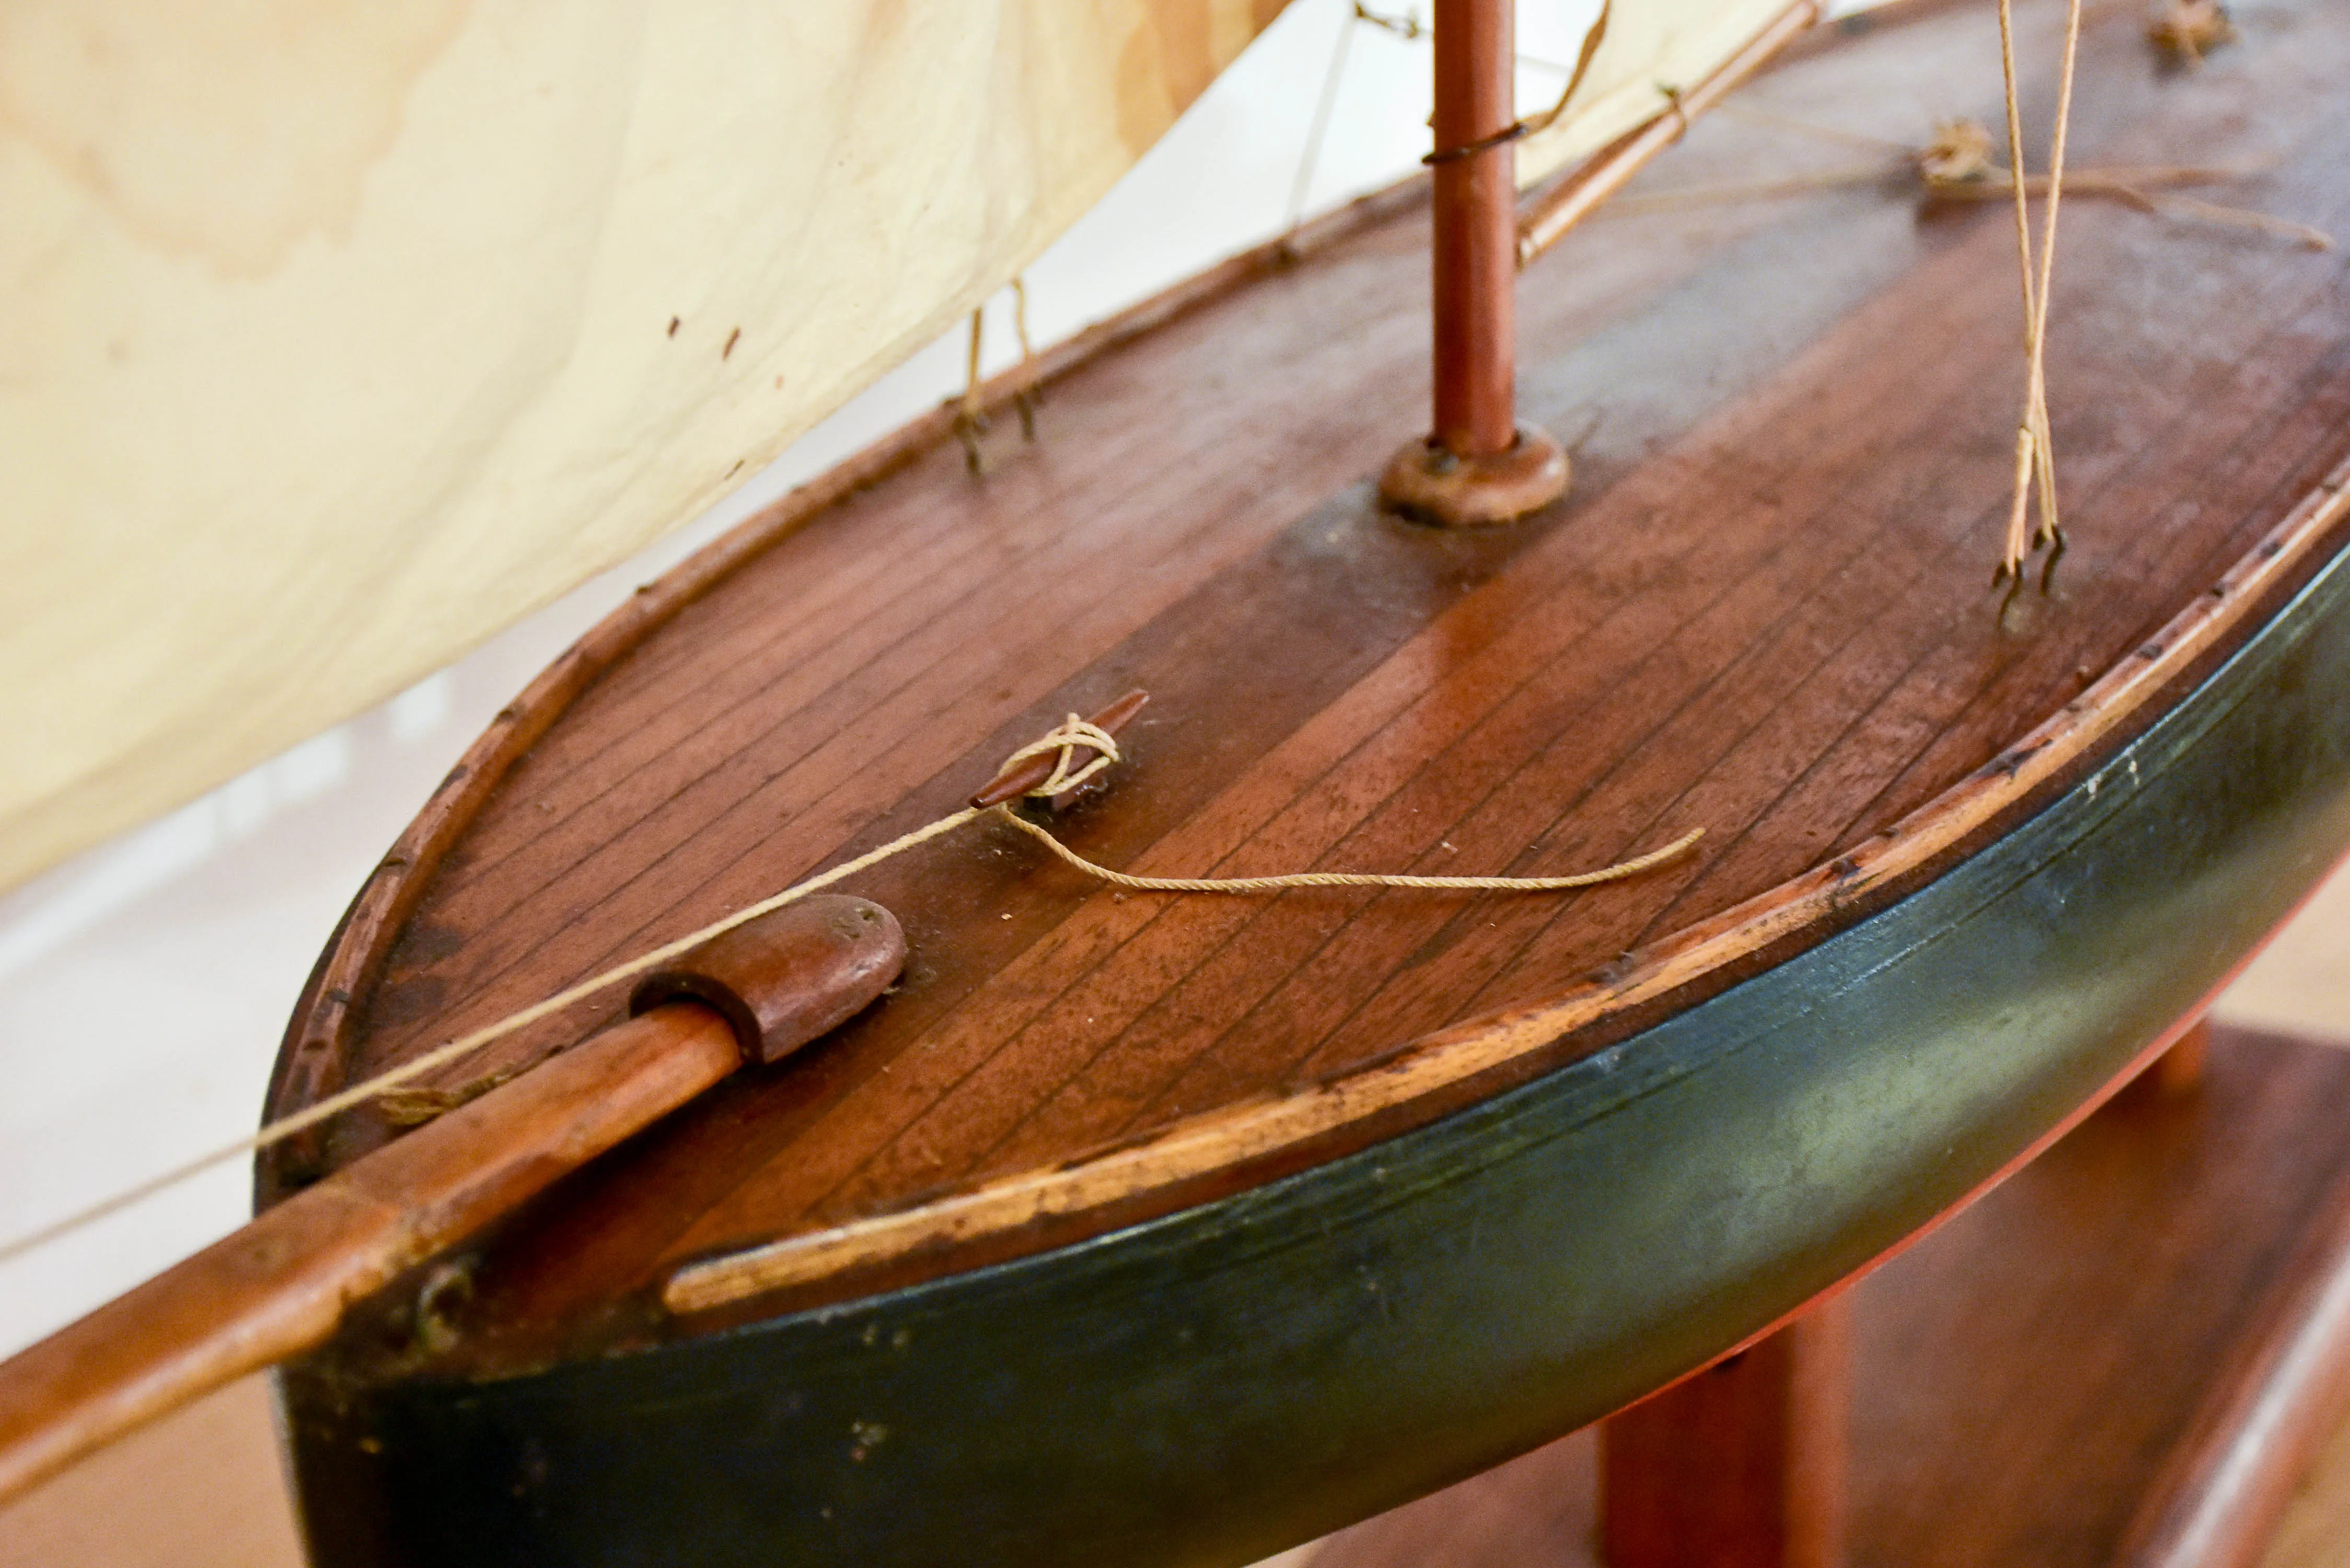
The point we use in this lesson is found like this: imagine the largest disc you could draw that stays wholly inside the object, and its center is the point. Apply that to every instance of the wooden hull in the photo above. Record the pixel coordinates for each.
(1160, 1231)
(1247, 1373)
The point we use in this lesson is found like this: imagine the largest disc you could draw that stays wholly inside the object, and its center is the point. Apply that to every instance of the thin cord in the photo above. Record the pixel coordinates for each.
(2164, 202)
(1732, 109)
(971, 417)
(1020, 317)
(2037, 372)
(466, 1044)
(1541, 122)
(1956, 167)
(1295, 879)
(2026, 434)
(1409, 27)
(1748, 191)
(971, 408)
(1025, 400)
(1312, 157)
(1074, 738)
(2035, 458)
(2127, 184)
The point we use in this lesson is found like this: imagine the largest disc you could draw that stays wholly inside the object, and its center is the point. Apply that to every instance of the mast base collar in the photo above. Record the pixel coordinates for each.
(1427, 483)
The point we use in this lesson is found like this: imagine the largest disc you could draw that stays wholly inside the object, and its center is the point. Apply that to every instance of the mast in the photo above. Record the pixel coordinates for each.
(1478, 465)
(1475, 240)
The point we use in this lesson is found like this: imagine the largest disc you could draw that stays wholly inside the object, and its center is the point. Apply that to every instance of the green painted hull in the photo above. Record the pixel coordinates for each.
(1239, 1377)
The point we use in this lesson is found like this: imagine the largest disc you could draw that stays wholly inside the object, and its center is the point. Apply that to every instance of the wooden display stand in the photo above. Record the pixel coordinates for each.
(1742, 1466)
(2127, 1353)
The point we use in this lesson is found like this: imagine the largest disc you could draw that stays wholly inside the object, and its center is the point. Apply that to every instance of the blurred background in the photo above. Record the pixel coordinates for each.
(143, 985)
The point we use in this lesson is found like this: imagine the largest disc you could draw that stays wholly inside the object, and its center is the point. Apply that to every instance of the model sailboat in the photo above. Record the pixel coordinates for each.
(1117, 1194)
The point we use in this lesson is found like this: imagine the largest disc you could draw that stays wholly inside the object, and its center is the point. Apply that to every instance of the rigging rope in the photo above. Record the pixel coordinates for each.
(971, 409)
(1295, 880)
(1409, 28)
(1312, 156)
(1067, 743)
(2035, 458)
(1956, 165)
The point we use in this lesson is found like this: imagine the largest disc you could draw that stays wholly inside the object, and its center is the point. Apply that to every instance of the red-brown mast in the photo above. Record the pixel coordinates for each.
(1479, 465)
(1476, 240)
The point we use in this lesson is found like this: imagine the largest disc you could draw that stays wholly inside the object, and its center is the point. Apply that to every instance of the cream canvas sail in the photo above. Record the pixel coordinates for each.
(339, 336)
(1644, 48)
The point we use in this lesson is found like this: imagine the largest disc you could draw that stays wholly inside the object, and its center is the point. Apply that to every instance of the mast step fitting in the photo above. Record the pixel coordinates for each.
(1427, 483)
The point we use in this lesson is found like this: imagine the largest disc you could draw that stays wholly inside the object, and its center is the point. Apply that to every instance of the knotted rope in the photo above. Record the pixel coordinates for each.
(1075, 733)
(1063, 743)
(1957, 166)
(1082, 752)
(2187, 30)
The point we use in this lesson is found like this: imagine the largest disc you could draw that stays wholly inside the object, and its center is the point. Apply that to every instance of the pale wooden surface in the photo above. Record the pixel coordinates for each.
(336, 342)
(199, 1489)
(2317, 1533)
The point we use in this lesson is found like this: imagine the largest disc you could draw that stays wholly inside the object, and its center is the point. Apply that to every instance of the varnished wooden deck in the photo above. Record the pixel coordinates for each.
(1760, 611)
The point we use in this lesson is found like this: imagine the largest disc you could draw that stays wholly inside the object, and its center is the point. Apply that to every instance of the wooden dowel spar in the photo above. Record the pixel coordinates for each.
(281, 1284)
(1576, 198)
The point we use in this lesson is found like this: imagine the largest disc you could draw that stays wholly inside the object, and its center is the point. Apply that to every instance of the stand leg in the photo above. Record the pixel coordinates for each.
(2179, 1070)
(2175, 1075)
(1739, 1467)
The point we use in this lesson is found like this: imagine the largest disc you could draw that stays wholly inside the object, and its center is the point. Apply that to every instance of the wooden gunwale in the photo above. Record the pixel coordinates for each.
(1424, 1072)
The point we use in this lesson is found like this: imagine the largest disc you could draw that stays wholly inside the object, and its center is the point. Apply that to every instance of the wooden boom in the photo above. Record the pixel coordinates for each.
(281, 1284)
